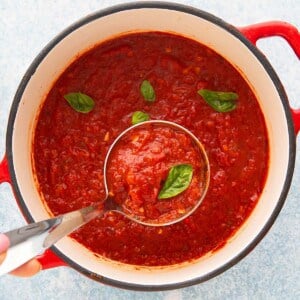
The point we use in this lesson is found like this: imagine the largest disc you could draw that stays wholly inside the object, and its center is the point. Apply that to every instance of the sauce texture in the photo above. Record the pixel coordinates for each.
(138, 167)
(70, 147)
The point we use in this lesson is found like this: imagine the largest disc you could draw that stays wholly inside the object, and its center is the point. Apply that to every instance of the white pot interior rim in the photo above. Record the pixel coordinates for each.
(216, 21)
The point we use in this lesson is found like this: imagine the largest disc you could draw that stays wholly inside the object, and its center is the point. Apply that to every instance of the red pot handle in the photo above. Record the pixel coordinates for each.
(276, 28)
(4, 171)
(48, 259)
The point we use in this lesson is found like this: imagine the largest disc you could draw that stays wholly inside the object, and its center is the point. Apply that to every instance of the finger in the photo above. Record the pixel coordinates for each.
(4, 242)
(2, 257)
(28, 269)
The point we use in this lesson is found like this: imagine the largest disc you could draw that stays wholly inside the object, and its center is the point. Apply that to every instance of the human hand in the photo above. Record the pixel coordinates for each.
(28, 269)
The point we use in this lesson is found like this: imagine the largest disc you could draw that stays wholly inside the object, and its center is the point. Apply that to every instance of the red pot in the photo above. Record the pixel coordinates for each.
(237, 45)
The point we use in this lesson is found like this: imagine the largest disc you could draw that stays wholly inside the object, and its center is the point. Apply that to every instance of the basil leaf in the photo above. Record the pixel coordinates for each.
(219, 101)
(80, 102)
(178, 180)
(147, 91)
(138, 117)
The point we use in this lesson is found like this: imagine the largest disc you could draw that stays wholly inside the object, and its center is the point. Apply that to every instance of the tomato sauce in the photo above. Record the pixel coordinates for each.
(139, 165)
(70, 147)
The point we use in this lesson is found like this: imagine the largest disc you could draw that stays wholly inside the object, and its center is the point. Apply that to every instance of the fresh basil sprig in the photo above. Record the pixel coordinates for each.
(138, 117)
(219, 101)
(178, 180)
(80, 102)
(147, 91)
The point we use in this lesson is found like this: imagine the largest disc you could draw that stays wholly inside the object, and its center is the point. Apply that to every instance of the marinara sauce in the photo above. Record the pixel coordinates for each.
(69, 147)
(139, 165)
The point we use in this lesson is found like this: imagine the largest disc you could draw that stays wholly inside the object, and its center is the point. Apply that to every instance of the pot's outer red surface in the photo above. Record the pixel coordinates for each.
(291, 34)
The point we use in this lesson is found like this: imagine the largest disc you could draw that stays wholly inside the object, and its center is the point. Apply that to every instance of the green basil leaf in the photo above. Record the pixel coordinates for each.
(178, 180)
(138, 117)
(219, 101)
(147, 91)
(80, 102)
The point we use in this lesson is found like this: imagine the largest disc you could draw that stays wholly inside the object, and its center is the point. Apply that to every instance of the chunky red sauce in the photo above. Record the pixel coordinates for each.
(70, 147)
(139, 164)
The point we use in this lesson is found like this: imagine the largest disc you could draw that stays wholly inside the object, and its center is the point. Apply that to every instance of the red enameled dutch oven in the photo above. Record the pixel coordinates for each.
(237, 45)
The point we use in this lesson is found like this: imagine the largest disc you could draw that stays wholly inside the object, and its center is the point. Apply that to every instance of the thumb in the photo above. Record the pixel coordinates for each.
(4, 242)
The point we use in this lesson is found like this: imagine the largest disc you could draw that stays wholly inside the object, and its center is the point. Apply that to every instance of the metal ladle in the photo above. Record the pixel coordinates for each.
(29, 241)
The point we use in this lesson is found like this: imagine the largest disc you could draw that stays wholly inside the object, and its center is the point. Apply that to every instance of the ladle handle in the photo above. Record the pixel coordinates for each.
(29, 241)
(26, 243)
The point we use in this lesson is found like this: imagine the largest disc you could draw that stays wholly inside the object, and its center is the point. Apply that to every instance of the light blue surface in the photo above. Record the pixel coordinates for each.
(271, 271)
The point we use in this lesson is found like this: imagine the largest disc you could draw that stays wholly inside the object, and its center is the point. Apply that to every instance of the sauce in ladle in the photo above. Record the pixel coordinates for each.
(157, 172)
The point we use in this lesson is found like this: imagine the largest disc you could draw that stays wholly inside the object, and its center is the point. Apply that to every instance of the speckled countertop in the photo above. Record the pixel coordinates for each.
(271, 271)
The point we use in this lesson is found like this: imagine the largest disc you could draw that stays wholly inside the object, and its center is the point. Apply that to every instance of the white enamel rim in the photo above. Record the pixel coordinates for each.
(198, 25)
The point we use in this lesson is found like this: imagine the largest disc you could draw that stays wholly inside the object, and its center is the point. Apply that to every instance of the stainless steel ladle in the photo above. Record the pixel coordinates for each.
(32, 240)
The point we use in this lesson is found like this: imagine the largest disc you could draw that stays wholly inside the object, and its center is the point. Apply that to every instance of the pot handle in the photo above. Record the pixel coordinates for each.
(4, 172)
(276, 28)
(48, 259)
